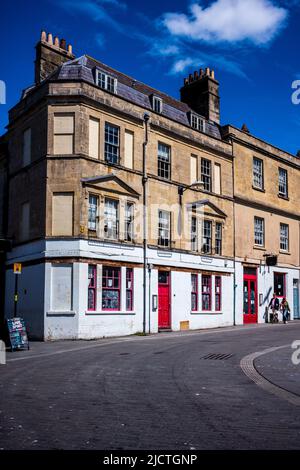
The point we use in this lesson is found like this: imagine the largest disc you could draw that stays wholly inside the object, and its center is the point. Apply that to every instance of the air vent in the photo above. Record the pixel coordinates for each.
(217, 357)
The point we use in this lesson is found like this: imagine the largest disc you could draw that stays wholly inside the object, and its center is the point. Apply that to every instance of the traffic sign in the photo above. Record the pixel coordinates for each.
(17, 268)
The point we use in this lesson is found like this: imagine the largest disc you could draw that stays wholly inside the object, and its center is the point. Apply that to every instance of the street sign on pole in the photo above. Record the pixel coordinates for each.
(17, 268)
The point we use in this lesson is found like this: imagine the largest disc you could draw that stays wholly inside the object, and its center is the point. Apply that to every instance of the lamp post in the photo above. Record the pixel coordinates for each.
(181, 191)
(145, 228)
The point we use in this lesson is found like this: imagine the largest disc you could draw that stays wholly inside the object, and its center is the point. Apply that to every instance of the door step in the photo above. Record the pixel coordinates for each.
(164, 330)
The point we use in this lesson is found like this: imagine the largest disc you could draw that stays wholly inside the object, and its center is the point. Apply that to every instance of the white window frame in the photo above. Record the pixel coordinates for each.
(164, 228)
(157, 104)
(282, 182)
(259, 232)
(284, 237)
(111, 218)
(104, 80)
(194, 234)
(93, 222)
(197, 122)
(258, 173)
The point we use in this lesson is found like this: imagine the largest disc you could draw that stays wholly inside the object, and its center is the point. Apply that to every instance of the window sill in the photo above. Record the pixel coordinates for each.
(281, 196)
(109, 312)
(210, 313)
(262, 190)
(61, 314)
(283, 252)
(258, 247)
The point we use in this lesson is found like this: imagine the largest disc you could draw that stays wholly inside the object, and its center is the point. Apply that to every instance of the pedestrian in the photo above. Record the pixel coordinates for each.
(285, 309)
(274, 305)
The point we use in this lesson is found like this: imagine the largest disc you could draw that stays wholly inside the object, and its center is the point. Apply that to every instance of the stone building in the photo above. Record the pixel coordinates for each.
(86, 145)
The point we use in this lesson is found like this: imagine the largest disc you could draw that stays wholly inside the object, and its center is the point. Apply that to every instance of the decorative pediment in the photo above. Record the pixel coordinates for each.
(111, 183)
(206, 207)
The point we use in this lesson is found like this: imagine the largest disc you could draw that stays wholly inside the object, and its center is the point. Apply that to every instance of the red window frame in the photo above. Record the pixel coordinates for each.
(111, 282)
(206, 292)
(129, 289)
(218, 293)
(194, 292)
(92, 287)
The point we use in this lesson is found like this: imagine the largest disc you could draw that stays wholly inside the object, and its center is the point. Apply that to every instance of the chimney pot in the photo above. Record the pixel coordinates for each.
(212, 74)
(70, 49)
(207, 71)
(190, 78)
(185, 81)
(196, 76)
(43, 36)
(50, 39)
(201, 73)
(63, 44)
(56, 41)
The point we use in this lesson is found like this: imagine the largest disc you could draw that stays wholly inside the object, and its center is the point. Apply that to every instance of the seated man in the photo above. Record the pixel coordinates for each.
(274, 305)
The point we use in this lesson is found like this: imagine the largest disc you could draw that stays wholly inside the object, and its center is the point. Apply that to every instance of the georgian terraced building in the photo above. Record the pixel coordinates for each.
(85, 148)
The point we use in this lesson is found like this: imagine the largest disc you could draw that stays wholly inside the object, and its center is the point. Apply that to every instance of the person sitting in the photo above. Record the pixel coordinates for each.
(274, 305)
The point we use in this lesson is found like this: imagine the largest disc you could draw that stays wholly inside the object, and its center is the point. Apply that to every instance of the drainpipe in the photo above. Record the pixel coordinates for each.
(145, 235)
(234, 239)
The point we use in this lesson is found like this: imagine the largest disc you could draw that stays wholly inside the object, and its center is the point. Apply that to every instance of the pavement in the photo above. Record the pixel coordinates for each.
(179, 391)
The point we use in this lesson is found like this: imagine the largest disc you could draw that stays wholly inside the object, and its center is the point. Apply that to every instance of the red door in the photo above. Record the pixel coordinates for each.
(250, 297)
(164, 317)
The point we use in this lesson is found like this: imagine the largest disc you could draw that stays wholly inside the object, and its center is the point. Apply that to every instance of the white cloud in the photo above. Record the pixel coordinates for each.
(200, 60)
(257, 21)
(182, 64)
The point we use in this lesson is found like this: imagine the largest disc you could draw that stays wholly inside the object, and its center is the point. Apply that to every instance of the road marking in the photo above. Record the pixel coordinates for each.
(153, 337)
(248, 367)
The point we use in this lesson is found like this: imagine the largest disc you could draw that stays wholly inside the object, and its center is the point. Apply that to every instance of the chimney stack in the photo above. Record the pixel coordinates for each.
(50, 55)
(201, 93)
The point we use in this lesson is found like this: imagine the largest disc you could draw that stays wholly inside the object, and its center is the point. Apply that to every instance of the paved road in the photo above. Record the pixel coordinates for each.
(158, 392)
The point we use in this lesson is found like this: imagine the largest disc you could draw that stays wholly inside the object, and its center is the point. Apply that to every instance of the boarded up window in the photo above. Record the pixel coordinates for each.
(27, 147)
(25, 221)
(128, 149)
(217, 178)
(61, 287)
(194, 168)
(62, 214)
(63, 134)
(94, 125)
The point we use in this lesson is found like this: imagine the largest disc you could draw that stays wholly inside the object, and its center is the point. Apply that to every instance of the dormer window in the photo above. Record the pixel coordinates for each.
(157, 104)
(197, 123)
(106, 82)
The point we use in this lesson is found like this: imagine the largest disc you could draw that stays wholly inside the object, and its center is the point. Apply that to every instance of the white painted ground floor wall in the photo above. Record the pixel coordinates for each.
(265, 288)
(53, 293)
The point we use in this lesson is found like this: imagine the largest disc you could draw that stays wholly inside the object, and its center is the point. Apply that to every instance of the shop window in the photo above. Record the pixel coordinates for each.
(129, 289)
(218, 293)
(206, 292)
(194, 279)
(92, 287)
(111, 288)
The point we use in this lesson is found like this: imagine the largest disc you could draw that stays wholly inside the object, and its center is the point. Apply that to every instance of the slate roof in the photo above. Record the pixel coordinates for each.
(132, 90)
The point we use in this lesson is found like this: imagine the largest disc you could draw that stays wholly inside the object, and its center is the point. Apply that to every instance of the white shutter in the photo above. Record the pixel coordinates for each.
(62, 214)
(128, 149)
(27, 147)
(194, 175)
(63, 124)
(25, 221)
(217, 178)
(94, 126)
(61, 287)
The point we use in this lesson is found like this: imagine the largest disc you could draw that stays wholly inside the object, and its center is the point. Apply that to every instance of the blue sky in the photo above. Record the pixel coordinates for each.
(253, 45)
